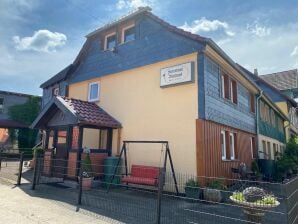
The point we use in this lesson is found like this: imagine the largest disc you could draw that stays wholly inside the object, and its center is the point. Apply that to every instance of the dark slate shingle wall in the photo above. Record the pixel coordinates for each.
(223, 111)
(154, 43)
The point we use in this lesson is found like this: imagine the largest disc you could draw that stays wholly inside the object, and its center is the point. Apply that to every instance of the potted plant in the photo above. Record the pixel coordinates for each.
(192, 189)
(255, 202)
(87, 173)
(213, 192)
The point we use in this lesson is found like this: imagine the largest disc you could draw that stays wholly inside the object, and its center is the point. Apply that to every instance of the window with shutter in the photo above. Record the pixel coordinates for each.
(253, 147)
(226, 87)
(233, 92)
(252, 103)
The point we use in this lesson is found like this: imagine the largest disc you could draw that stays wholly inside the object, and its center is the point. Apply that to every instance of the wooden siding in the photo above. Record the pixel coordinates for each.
(209, 162)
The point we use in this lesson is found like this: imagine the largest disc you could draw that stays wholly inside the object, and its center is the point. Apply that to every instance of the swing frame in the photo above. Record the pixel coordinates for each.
(123, 152)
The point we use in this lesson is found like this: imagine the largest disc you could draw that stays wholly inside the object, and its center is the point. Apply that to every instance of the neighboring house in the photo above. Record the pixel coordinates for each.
(140, 78)
(270, 120)
(287, 83)
(8, 99)
(56, 85)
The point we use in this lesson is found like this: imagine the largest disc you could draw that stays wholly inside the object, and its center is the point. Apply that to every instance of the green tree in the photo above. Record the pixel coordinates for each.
(25, 113)
(288, 161)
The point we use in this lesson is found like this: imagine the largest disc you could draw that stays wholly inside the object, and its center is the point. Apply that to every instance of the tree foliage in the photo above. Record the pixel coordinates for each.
(288, 162)
(25, 113)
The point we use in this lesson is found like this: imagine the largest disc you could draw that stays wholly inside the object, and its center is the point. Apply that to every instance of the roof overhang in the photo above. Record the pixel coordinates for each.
(61, 111)
(8, 123)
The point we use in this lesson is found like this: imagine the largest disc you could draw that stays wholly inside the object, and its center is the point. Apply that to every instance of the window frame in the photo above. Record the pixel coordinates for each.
(89, 91)
(106, 40)
(252, 103)
(233, 91)
(54, 90)
(123, 33)
(223, 146)
(269, 152)
(232, 145)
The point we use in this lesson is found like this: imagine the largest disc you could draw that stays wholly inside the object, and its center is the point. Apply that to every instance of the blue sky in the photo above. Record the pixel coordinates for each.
(39, 38)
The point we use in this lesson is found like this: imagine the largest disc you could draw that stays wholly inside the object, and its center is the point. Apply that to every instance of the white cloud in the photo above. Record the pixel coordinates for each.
(42, 40)
(260, 31)
(205, 25)
(134, 4)
(295, 51)
(264, 53)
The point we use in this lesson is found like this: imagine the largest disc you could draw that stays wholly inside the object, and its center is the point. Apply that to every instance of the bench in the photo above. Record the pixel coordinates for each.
(143, 175)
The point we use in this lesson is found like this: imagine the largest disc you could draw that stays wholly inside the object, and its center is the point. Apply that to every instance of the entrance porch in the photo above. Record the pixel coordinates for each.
(70, 127)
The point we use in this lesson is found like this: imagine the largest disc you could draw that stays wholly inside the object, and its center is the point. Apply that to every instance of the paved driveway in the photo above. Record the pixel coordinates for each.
(18, 207)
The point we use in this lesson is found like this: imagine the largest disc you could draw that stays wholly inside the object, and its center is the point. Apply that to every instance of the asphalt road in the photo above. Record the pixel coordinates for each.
(18, 207)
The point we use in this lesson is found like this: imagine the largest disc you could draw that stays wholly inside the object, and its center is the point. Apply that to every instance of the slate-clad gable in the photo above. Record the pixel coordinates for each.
(154, 43)
(221, 110)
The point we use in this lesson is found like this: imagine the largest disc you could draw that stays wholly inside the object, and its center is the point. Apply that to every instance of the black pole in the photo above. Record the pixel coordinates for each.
(116, 168)
(80, 186)
(172, 168)
(0, 159)
(159, 195)
(20, 168)
(125, 160)
(35, 172)
(160, 188)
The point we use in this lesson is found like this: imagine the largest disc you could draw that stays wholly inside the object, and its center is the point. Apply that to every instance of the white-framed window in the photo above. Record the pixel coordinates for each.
(223, 86)
(128, 33)
(269, 153)
(55, 91)
(233, 91)
(93, 93)
(223, 145)
(110, 41)
(253, 147)
(232, 145)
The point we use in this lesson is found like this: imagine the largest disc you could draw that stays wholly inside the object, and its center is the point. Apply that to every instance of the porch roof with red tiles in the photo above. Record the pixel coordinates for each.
(89, 113)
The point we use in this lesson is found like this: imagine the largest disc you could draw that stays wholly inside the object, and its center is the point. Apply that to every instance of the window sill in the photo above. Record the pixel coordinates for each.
(93, 101)
(230, 160)
(126, 42)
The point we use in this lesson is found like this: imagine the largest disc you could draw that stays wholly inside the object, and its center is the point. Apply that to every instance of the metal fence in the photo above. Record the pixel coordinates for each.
(199, 200)
(11, 167)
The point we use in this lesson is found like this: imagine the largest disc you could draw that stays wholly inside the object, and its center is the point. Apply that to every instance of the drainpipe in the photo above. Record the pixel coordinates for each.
(257, 121)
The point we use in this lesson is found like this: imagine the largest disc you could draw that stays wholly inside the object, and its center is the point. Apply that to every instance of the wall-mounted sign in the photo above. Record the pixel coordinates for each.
(177, 74)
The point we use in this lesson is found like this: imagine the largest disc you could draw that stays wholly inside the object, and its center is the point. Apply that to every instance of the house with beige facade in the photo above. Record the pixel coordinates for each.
(141, 78)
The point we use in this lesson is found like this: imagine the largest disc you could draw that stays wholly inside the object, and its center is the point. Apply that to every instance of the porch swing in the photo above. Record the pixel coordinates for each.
(145, 175)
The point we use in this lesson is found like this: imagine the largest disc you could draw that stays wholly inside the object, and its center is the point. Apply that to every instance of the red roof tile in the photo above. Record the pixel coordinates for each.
(90, 113)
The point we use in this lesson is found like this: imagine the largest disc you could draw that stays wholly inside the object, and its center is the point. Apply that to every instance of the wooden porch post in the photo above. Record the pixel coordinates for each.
(46, 143)
(80, 145)
(110, 141)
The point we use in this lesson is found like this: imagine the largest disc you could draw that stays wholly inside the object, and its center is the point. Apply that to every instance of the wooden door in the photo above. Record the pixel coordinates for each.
(59, 165)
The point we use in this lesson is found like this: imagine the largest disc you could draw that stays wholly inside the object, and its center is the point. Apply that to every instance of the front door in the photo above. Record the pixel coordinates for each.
(59, 164)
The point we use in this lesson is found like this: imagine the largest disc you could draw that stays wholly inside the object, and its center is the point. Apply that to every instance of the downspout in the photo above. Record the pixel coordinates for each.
(257, 120)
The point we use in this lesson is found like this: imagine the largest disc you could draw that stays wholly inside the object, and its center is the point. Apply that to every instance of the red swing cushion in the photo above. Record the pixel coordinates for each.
(144, 175)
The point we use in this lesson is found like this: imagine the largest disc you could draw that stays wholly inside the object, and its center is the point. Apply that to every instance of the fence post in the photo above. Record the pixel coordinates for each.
(159, 194)
(0, 159)
(80, 185)
(35, 172)
(20, 168)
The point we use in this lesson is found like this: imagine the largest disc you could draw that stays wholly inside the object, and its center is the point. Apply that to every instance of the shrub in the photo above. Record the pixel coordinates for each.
(217, 184)
(288, 162)
(192, 183)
